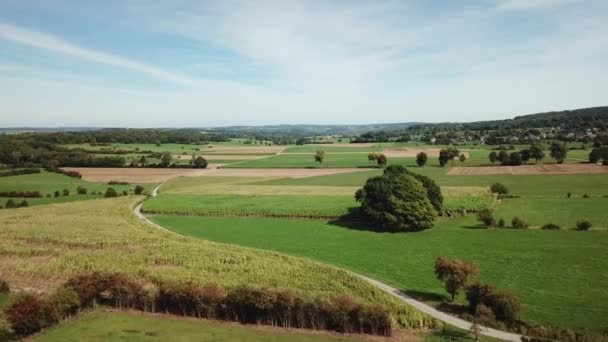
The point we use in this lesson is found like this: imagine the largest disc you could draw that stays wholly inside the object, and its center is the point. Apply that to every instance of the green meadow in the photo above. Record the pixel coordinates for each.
(125, 326)
(543, 268)
(49, 182)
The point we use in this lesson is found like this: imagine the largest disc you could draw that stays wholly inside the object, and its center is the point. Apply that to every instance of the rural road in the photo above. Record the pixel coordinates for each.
(429, 310)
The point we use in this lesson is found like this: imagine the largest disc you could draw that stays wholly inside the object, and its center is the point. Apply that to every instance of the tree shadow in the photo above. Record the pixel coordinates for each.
(425, 296)
(477, 226)
(353, 220)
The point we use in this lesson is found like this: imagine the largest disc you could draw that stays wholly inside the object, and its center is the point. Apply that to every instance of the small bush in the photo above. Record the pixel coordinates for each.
(48, 196)
(518, 223)
(125, 193)
(10, 204)
(486, 216)
(501, 223)
(110, 193)
(65, 192)
(27, 315)
(81, 190)
(499, 188)
(569, 195)
(6, 332)
(4, 287)
(551, 226)
(23, 204)
(57, 193)
(585, 195)
(580, 225)
(62, 304)
(506, 307)
(139, 189)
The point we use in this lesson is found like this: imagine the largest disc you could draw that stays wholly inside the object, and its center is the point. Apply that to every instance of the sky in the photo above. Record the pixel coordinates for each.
(178, 63)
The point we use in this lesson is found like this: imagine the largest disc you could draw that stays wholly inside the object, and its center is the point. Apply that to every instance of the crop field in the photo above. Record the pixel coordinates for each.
(131, 326)
(41, 247)
(141, 175)
(48, 182)
(241, 196)
(544, 268)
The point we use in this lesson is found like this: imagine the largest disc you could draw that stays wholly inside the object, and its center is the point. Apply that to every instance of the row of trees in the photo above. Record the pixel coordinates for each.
(484, 302)
(557, 151)
(29, 313)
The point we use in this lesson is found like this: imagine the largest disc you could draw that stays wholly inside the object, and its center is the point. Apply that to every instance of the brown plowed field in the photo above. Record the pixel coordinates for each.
(144, 175)
(542, 169)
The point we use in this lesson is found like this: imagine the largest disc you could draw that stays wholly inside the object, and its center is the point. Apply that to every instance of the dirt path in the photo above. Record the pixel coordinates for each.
(429, 310)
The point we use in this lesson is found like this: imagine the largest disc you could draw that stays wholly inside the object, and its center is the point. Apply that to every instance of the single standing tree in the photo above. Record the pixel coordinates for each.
(493, 157)
(503, 157)
(142, 161)
(536, 152)
(444, 156)
(515, 158)
(558, 152)
(396, 201)
(319, 156)
(453, 153)
(421, 159)
(455, 274)
(200, 163)
(381, 160)
(372, 157)
(165, 159)
(462, 158)
(525, 156)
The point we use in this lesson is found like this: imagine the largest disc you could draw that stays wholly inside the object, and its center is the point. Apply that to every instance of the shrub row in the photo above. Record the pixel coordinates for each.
(23, 194)
(248, 305)
(11, 204)
(486, 216)
(113, 182)
(7, 173)
(73, 174)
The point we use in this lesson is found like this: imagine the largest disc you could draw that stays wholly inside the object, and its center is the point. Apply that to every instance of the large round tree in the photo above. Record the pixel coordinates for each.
(397, 202)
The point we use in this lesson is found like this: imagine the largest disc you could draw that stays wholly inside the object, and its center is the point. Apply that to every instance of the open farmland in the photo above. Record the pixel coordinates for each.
(530, 263)
(121, 326)
(530, 169)
(47, 183)
(141, 175)
(41, 247)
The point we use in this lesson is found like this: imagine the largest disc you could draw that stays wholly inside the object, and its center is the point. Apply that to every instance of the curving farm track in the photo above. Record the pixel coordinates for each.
(429, 310)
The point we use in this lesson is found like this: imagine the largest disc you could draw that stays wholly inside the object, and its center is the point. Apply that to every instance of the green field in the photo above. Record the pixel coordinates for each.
(544, 268)
(4, 298)
(522, 185)
(49, 182)
(123, 326)
(307, 161)
(272, 205)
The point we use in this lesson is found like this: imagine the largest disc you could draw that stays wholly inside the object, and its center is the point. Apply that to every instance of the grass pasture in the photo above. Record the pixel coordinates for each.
(543, 268)
(131, 326)
(49, 182)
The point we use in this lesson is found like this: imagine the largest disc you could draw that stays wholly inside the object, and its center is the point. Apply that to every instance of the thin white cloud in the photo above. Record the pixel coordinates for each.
(56, 44)
(532, 4)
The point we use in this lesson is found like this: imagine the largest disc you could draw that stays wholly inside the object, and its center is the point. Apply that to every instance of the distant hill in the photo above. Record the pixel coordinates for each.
(304, 129)
(568, 119)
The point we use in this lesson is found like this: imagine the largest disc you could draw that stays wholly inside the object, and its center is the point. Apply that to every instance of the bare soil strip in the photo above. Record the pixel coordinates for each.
(143, 175)
(542, 169)
(225, 157)
(135, 175)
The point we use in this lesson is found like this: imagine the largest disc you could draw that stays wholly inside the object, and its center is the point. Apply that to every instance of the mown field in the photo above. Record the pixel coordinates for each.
(125, 326)
(41, 247)
(546, 269)
(48, 182)
(243, 196)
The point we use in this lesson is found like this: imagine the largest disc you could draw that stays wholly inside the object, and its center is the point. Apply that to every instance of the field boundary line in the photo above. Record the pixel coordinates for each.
(425, 308)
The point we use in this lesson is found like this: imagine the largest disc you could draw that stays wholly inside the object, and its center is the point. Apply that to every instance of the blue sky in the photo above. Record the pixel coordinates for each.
(184, 63)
